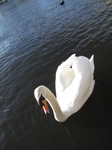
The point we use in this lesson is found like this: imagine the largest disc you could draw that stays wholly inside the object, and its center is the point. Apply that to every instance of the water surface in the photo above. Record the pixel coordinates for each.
(35, 37)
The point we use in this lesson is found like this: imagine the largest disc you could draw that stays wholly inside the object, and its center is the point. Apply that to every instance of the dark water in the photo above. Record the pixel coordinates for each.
(35, 37)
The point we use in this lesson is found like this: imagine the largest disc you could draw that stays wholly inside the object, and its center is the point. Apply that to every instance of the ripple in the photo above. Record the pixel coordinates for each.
(36, 36)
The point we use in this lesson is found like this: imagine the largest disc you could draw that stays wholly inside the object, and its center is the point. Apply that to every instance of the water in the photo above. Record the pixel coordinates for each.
(35, 37)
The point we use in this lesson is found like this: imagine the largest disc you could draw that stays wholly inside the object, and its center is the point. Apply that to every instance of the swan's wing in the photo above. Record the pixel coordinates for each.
(77, 93)
(64, 75)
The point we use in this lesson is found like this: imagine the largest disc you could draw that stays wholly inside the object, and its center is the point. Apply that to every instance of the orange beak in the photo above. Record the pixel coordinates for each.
(45, 107)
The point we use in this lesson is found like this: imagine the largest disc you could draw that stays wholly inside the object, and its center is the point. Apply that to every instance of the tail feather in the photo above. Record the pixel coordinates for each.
(92, 63)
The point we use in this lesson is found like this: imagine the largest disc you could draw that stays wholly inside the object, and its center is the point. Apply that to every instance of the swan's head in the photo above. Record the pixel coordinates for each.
(39, 96)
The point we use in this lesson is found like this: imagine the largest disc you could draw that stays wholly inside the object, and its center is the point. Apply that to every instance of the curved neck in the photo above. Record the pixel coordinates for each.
(59, 116)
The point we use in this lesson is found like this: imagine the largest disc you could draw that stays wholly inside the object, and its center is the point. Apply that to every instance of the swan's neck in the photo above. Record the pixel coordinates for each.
(59, 116)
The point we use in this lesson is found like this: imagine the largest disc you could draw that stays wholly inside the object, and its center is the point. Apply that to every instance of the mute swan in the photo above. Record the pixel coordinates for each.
(74, 84)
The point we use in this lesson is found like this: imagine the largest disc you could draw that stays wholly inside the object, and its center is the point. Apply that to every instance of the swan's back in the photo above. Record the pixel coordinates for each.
(74, 83)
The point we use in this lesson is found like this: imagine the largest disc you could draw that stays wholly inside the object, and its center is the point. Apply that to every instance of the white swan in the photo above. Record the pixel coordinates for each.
(74, 85)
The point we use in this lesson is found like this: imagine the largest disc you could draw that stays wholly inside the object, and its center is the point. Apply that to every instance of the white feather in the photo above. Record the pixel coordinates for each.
(74, 84)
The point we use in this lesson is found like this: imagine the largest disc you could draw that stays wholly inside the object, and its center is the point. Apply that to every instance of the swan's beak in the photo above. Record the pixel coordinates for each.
(45, 107)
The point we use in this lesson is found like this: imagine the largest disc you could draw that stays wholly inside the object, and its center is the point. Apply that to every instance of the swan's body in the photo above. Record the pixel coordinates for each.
(74, 85)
